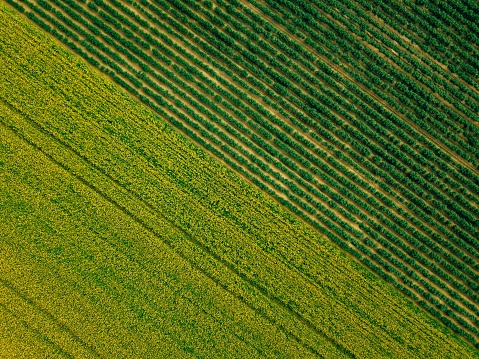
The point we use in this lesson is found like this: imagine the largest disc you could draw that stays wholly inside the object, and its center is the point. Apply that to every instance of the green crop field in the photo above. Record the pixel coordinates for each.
(264, 179)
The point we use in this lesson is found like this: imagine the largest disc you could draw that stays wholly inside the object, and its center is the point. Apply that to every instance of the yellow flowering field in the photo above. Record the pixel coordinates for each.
(120, 238)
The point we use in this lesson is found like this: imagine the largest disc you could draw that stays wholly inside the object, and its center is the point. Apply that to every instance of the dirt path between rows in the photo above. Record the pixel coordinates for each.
(338, 69)
(136, 67)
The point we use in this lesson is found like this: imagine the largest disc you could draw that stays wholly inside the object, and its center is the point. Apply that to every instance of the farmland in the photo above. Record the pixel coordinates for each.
(104, 237)
(358, 127)
(363, 124)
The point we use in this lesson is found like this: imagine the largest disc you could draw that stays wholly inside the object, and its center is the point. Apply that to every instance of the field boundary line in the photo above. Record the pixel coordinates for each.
(150, 229)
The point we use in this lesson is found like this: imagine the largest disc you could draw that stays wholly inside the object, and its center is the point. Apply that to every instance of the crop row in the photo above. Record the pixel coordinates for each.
(293, 151)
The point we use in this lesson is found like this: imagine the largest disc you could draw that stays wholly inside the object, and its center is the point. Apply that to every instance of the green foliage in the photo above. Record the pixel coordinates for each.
(363, 125)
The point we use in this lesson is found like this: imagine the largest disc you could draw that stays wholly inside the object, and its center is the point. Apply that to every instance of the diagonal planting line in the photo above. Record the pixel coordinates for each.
(271, 289)
(46, 314)
(155, 282)
(306, 276)
(187, 235)
(37, 332)
(190, 238)
(156, 286)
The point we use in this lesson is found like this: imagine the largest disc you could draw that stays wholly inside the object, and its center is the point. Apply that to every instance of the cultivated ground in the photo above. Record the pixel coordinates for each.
(353, 121)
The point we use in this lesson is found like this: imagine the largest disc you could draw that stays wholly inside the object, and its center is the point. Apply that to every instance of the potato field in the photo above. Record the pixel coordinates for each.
(360, 117)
